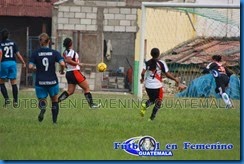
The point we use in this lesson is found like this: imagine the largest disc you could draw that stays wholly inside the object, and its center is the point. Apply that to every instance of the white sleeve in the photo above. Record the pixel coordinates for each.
(166, 68)
(70, 54)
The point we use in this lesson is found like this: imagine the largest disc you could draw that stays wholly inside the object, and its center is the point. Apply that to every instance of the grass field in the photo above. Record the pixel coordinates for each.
(85, 134)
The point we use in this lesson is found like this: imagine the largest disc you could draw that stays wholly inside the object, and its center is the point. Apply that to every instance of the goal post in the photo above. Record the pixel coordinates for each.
(220, 15)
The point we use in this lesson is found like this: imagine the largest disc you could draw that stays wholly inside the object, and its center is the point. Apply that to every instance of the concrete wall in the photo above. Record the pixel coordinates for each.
(89, 23)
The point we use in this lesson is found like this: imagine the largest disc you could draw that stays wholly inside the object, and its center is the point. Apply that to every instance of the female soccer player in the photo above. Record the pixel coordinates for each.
(8, 53)
(46, 83)
(153, 70)
(74, 76)
(221, 76)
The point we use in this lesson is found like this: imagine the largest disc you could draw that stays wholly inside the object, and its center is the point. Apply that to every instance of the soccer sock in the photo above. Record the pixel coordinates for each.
(226, 99)
(15, 92)
(55, 110)
(155, 109)
(4, 91)
(88, 97)
(63, 96)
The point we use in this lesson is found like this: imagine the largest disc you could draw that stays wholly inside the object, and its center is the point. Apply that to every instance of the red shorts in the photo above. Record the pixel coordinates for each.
(75, 77)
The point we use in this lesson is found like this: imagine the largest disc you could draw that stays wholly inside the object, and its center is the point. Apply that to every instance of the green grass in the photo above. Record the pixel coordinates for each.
(85, 134)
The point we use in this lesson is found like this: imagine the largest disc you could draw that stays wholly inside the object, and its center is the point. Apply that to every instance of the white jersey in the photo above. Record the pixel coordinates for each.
(75, 57)
(153, 77)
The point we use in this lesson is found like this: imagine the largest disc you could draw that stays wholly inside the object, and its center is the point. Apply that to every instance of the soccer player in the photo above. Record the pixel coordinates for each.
(153, 70)
(221, 76)
(43, 62)
(8, 53)
(74, 76)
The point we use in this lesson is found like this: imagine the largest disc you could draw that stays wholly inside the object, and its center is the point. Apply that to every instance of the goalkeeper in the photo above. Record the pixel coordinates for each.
(152, 75)
(221, 76)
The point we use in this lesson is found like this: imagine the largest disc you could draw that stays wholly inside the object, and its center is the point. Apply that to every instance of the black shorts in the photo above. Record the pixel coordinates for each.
(155, 94)
(221, 83)
(75, 77)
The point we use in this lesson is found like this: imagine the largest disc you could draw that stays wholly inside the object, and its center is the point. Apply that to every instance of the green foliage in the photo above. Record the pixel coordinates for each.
(87, 134)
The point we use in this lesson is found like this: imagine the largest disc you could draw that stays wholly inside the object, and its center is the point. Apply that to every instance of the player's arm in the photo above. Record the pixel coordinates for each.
(142, 75)
(1, 54)
(21, 59)
(32, 64)
(69, 60)
(62, 67)
(171, 76)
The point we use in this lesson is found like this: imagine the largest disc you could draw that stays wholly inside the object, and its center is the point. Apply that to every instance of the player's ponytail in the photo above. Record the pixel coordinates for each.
(152, 64)
(44, 39)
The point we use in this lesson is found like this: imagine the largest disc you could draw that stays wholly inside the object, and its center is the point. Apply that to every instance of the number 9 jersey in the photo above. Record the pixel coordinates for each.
(44, 60)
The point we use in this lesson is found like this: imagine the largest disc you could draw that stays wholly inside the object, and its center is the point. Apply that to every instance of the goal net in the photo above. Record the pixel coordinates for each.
(188, 34)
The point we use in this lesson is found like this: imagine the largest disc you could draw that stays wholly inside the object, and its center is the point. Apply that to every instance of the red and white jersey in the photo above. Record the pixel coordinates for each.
(153, 76)
(74, 56)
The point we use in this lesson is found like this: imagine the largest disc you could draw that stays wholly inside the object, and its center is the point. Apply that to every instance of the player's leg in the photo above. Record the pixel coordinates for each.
(71, 80)
(224, 83)
(53, 92)
(12, 76)
(150, 101)
(83, 83)
(3, 77)
(158, 102)
(41, 94)
(66, 94)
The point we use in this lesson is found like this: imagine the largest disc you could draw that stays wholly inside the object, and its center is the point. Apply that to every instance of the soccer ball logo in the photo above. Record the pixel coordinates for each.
(101, 67)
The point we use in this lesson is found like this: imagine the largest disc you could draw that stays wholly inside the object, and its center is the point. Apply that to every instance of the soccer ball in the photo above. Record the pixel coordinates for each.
(101, 67)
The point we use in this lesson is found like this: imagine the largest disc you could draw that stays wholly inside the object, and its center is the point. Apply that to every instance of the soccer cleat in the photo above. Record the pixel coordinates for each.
(15, 104)
(229, 106)
(95, 105)
(41, 115)
(143, 109)
(7, 101)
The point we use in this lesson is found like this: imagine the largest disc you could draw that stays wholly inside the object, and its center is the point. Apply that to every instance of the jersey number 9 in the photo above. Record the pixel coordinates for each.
(45, 63)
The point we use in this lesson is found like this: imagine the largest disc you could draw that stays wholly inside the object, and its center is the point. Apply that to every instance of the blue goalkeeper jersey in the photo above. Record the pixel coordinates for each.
(44, 59)
(9, 50)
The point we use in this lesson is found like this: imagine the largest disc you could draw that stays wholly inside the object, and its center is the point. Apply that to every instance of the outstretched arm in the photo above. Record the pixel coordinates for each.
(171, 76)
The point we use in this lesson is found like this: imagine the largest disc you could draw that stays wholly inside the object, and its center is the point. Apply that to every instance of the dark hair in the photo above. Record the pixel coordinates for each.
(152, 63)
(67, 43)
(155, 53)
(4, 34)
(217, 58)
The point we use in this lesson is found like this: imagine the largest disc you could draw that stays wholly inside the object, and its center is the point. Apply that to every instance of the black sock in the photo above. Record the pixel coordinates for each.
(15, 92)
(4, 91)
(63, 96)
(55, 110)
(88, 97)
(155, 109)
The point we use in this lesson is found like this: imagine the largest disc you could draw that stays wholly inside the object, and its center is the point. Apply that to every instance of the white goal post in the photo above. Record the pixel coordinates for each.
(166, 5)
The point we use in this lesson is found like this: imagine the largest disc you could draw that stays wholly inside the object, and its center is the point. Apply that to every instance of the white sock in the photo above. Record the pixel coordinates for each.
(226, 99)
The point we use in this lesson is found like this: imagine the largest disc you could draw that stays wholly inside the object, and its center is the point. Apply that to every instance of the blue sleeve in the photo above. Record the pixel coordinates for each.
(58, 56)
(32, 59)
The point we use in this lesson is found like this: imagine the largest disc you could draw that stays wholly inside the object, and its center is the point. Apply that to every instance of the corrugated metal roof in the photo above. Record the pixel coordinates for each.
(31, 8)
(200, 51)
